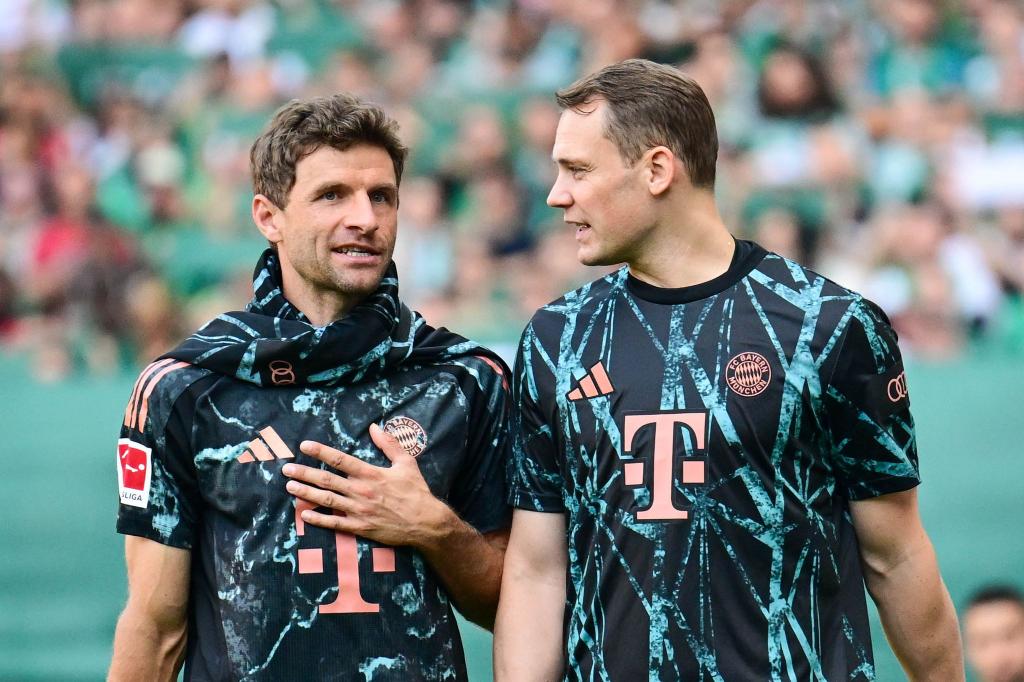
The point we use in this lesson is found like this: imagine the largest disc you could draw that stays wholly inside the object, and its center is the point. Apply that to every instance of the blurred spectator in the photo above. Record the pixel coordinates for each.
(934, 283)
(882, 142)
(425, 252)
(235, 28)
(777, 230)
(920, 48)
(480, 147)
(538, 118)
(9, 323)
(993, 623)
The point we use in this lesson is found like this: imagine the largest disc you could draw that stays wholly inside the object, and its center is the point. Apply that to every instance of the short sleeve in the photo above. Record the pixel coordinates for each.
(867, 408)
(156, 476)
(478, 495)
(536, 480)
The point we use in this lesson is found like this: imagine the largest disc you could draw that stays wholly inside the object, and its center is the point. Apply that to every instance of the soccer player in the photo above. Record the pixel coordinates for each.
(994, 634)
(223, 569)
(713, 447)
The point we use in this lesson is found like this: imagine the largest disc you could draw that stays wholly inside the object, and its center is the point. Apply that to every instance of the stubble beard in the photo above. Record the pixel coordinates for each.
(325, 282)
(356, 286)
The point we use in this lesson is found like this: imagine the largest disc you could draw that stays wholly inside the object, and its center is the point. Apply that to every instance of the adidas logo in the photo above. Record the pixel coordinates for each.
(595, 383)
(265, 448)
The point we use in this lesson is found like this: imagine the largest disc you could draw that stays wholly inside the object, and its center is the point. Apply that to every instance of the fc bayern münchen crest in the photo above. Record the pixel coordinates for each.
(748, 374)
(409, 433)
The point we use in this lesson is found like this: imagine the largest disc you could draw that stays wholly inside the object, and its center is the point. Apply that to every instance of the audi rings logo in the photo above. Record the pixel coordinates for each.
(897, 388)
(748, 374)
(281, 373)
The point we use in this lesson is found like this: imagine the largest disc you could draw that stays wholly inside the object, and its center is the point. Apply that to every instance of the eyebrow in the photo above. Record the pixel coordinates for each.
(343, 188)
(329, 186)
(563, 161)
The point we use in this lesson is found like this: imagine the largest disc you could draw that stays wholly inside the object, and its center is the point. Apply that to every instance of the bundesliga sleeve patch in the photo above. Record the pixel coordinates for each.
(133, 472)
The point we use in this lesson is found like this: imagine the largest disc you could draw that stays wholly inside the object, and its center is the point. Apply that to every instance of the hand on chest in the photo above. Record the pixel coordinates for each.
(247, 436)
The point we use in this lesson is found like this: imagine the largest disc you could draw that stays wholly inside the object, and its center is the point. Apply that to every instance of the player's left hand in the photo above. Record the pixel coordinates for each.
(392, 505)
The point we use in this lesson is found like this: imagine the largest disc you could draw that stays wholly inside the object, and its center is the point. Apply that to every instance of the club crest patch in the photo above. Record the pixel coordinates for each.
(134, 471)
(409, 433)
(748, 374)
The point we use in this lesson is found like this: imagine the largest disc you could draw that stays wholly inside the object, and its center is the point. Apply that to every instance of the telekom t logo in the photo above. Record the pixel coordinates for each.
(346, 553)
(269, 447)
(661, 480)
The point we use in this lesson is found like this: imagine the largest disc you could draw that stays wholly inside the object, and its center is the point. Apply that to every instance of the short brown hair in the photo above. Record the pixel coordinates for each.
(301, 127)
(649, 105)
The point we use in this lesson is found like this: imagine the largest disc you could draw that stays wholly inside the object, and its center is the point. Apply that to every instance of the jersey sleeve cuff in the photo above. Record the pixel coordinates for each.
(144, 531)
(879, 488)
(533, 501)
(494, 523)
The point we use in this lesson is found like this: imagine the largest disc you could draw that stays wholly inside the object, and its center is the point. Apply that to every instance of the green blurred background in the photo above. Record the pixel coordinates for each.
(880, 142)
(62, 567)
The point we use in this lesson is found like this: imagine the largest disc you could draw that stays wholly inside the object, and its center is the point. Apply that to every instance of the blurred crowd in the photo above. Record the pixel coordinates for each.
(879, 141)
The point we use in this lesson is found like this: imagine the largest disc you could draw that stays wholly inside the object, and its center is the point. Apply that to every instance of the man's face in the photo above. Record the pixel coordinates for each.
(337, 233)
(994, 639)
(604, 199)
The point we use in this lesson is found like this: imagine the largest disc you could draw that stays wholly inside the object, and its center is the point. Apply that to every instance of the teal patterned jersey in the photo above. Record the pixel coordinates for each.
(705, 444)
(207, 431)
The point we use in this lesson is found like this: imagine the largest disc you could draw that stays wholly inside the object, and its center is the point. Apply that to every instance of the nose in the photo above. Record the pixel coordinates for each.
(559, 196)
(360, 214)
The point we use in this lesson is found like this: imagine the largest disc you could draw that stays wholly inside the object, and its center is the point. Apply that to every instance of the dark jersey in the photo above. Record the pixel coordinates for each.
(704, 444)
(199, 466)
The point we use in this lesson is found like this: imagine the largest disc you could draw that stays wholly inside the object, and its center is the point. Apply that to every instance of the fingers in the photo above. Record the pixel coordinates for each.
(388, 444)
(319, 497)
(336, 458)
(340, 524)
(321, 478)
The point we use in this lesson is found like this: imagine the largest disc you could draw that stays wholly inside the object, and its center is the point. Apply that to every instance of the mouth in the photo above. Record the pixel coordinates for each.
(357, 253)
(581, 228)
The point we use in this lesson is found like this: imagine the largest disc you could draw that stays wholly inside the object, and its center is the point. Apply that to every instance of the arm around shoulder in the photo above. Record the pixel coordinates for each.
(902, 576)
(149, 643)
(528, 636)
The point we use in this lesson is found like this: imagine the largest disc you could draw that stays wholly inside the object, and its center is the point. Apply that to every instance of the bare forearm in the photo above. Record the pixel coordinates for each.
(528, 635)
(918, 617)
(468, 565)
(528, 638)
(143, 650)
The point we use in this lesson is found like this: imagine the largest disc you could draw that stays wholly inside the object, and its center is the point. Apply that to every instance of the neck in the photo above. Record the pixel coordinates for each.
(690, 246)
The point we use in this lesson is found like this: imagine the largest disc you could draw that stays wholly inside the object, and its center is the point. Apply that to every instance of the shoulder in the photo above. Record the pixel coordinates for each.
(869, 333)
(791, 279)
(838, 319)
(812, 293)
(580, 303)
(157, 390)
(484, 371)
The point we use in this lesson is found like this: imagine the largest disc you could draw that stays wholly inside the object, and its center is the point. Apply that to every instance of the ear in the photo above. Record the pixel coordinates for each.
(661, 169)
(265, 214)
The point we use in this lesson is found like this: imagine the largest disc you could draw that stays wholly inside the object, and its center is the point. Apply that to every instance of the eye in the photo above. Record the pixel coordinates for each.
(577, 172)
(329, 195)
(381, 197)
